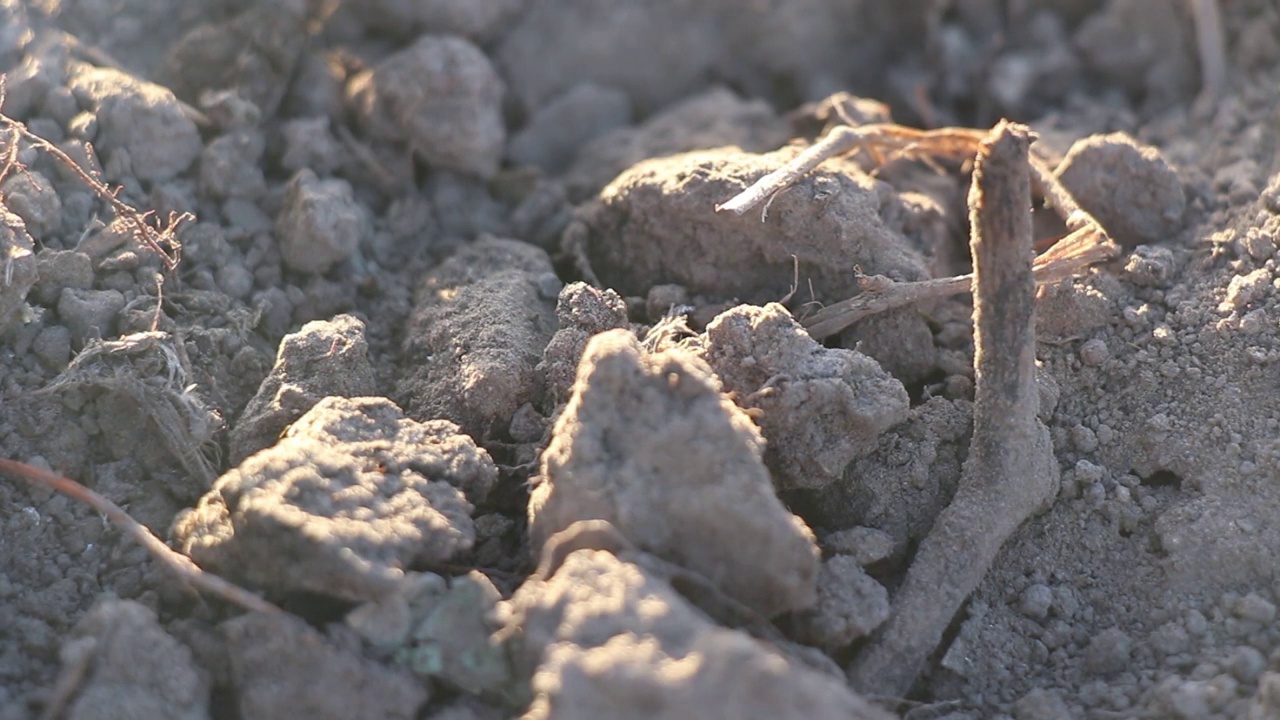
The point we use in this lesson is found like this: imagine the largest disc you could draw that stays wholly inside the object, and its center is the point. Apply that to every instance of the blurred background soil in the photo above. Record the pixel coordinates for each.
(395, 202)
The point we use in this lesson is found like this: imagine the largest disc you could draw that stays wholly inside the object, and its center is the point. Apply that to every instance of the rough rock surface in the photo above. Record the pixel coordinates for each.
(819, 409)
(709, 507)
(352, 496)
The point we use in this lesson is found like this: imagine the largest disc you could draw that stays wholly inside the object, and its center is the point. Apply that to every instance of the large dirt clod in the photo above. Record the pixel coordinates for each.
(352, 496)
(649, 443)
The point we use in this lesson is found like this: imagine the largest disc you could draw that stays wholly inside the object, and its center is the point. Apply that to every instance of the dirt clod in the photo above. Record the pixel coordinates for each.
(821, 409)
(387, 491)
(604, 637)
(19, 267)
(1128, 187)
(320, 224)
(142, 131)
(696, 509)
(119, 663)
(650, 227)
(476, 334)
(281, 667)
(323, 359)
(442, 98)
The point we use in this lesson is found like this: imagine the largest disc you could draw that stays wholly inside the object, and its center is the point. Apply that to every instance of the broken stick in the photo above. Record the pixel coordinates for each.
(1010, 473)
(877, 293)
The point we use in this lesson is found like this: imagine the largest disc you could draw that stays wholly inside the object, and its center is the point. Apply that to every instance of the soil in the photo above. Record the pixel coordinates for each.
(461, 368)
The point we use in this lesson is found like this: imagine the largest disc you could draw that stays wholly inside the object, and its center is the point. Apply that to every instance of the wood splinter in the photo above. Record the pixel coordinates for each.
(1010, 473)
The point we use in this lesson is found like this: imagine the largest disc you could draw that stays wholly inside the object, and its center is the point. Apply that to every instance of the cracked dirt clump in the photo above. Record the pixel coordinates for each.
(650, 226)
(820, 408)
(351, 496)
(686, 484)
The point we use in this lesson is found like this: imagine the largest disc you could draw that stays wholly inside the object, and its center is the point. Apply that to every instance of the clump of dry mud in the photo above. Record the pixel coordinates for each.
(461, 368)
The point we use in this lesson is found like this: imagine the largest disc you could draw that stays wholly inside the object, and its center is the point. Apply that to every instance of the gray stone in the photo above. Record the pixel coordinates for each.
(321, 223)
(441, 97)
(90, 314)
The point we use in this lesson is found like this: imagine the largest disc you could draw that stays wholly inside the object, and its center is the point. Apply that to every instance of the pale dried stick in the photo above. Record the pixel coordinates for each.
(877, 293)
(1010, 473)
(895, 140)
(1211, 43)
(183, 566)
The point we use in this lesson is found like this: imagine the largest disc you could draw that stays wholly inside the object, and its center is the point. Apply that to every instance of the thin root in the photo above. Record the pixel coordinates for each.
(183, 566)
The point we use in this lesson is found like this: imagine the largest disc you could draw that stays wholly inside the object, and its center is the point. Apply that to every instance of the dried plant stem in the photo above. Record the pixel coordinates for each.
(1088, 242)
(1211, 45)
(1010, 473)
(180, 564)
(877, 293)
(881, 140)
(161, 238)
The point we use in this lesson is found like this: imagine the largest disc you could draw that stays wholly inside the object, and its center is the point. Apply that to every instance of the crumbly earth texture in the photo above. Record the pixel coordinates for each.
(413, 221)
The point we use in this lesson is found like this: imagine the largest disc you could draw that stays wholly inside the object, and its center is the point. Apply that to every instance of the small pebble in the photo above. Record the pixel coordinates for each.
(1036, 601)
(1094, 352)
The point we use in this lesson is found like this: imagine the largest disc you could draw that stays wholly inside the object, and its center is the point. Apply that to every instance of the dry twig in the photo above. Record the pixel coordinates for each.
(180, 564)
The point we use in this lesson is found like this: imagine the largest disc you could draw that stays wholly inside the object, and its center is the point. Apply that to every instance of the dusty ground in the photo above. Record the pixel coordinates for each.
(376, 391)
